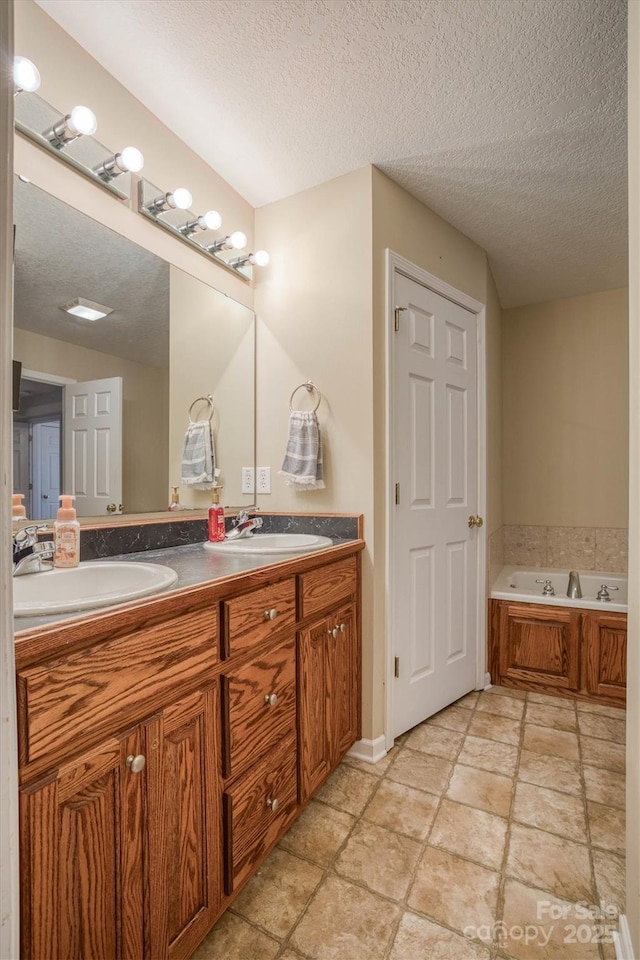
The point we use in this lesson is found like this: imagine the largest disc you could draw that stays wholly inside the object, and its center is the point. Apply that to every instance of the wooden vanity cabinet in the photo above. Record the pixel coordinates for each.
(605, 654)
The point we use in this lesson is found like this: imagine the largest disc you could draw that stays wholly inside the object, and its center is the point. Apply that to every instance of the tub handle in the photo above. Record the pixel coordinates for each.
(547, 590)
(603, 592)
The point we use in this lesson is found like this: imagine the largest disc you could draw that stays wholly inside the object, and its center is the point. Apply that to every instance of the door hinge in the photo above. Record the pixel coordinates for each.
(396, 317)
(396, 666)
(397, 494)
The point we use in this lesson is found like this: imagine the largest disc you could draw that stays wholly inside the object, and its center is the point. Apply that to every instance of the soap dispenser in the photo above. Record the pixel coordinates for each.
(216, 517)
(18, 511)
(66, 534)
(175, 499)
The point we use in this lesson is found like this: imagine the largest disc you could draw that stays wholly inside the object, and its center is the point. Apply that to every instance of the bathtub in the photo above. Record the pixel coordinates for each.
(519, 583)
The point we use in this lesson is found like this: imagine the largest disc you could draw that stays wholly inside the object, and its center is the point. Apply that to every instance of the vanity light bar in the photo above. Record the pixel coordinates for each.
(211, 220)
(235, 241)
(26, 76)
(179, 199)
(80, 122)
(129, 161)
(259, 259)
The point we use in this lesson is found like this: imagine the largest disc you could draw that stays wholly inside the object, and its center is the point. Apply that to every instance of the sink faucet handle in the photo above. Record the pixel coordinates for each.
(548, 589)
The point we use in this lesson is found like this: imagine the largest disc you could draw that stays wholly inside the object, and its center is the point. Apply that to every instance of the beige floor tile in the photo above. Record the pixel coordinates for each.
(235, 939)
(610, 880)
(278, 892)
(489, 755)
(491, 727)
(607, 827)
(468, 701)
(603, 753)
(403, 809)
(557, 743)
(437, 741)
(553, 772)
(602, 709)
(566, 702)
(604, 786)
(453, 718)
(501, 706)
(550, 862)
(548, 938)
(604, 728)
(550, 810)
(544, 715)
(373, 769)
(421, 939)
(474, 834)
(289, 954)
(421, 771)
(506, 692)
(318, 833)
(481, 789)
(347, 789)
(379, 859)
(455, 891)
(345, 922)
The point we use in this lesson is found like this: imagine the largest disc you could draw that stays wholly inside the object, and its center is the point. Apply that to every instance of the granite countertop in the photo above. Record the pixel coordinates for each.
(193, 564)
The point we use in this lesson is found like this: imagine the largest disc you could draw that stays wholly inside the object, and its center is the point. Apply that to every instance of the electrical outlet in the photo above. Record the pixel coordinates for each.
(248, 480)
(263, 480)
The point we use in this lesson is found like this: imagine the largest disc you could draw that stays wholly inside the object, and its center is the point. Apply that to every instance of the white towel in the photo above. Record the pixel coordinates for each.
(198, 457)
(302, 466)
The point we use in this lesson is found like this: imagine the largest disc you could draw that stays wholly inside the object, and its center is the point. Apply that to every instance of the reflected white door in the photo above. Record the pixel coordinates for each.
(93, 445)
(21, 461)
(45, 470)
(434, 552)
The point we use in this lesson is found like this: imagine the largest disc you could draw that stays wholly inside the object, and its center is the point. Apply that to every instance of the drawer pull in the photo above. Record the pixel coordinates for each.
(273, 804)
(334, 632)
(135, 764)
(270, 699)
(271, 614)
(342, 628)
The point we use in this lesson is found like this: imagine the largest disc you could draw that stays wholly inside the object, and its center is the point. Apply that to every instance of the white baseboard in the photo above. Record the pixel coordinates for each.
(487, 681)
(622, 940)
(369, 750)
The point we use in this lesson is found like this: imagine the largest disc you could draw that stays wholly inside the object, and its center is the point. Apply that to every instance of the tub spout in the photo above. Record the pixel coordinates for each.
(574, 590)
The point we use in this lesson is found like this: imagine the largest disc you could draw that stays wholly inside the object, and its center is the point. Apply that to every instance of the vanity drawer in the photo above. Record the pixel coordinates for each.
(327, 586)
(260, 706)
(257, 809)
(71, 700)
(257, 615)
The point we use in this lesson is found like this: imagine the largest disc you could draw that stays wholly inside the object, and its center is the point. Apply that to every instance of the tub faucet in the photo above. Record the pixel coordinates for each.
(547, 590)
(574, 590)
(31, 555)
(244, 526)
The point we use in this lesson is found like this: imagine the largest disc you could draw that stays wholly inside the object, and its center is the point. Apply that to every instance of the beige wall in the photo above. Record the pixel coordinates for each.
(565, 412)
(145, 410)
(493, 358)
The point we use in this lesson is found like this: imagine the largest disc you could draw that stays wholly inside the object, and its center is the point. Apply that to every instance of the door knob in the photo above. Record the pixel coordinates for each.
(111, 508)
(45, 496)
(475, 521)
(135, 764)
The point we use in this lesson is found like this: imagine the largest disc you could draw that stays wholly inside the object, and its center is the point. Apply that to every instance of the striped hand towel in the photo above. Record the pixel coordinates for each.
(198, 458)
(302, 466)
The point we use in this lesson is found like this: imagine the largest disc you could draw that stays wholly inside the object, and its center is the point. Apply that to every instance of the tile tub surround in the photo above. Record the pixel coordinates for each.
(584, 548)
(479, 822)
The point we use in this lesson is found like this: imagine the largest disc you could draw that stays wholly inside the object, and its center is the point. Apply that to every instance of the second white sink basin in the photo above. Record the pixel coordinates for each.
(271, 543)
(93, 584)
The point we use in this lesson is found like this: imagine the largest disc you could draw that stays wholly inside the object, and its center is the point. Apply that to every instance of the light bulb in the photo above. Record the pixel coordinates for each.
(180, 199)
(237, 240)
(260, 258)
(130, 160)
(211, 220)
(82, 121)
(26, 75)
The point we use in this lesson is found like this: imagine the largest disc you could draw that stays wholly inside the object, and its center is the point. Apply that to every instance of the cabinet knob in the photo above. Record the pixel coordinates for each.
(273, 804)
(270, 699)
(136, 764)
(342, 628)
(271, 614)
(334, 632)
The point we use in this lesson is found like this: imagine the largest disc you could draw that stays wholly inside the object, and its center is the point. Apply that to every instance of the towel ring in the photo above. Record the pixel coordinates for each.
(208, 399)
(309, 386)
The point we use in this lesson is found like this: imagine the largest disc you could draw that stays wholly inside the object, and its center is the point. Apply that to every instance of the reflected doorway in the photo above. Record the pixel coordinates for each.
(37, 454)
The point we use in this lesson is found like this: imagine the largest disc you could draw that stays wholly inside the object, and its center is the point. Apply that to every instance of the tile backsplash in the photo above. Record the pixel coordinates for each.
(580, 548)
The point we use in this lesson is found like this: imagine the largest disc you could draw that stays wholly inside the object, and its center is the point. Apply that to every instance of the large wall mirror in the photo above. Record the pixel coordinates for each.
(169, 340)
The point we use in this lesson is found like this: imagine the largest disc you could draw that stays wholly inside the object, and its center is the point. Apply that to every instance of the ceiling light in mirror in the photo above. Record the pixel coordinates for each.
(86, 309)
(129, 161)
(26, 75)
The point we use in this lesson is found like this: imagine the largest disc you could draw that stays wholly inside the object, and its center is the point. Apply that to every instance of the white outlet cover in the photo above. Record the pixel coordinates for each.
(263, 480)
(248, 480)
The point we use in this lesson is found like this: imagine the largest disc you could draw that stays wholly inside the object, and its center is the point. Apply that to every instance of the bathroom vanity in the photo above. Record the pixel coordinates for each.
(166, 745)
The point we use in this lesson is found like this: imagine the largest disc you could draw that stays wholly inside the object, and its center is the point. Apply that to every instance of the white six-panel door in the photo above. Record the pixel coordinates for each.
(433, 553)
(93, 445)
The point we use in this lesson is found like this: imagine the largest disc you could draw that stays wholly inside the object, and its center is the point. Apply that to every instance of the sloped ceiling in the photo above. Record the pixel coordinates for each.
(507, 117)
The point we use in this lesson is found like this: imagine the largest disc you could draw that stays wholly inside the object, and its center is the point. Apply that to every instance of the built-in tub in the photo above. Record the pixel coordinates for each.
(519, 583)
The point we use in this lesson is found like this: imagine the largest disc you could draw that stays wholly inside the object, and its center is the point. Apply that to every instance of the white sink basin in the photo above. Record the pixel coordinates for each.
(94, 584)
(261, 543)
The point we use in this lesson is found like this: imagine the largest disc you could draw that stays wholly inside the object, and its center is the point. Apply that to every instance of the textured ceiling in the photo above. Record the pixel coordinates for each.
(507, 117)
(60, 254)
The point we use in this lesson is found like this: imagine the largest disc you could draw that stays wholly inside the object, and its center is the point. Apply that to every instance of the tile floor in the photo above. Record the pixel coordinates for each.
(483, 834)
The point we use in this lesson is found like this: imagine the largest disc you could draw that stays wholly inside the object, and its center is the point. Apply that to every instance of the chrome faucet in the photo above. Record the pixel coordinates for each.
(574, 590)
(31, 555)
(243, 526)
(547, 590)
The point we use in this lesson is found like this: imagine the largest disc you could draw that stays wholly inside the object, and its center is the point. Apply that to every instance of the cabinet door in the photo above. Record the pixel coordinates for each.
(313, 720)
(604, 638)
(342, 682)
(82, 857)
(539, 645)
(184, 824)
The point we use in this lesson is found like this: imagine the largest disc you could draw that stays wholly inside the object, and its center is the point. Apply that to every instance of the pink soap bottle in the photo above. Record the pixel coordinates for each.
(66, 534)
(216, 530)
